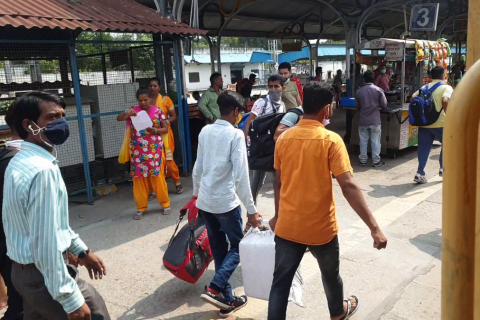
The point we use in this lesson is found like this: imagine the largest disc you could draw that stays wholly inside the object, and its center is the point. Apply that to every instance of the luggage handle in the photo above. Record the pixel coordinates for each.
(192, 209)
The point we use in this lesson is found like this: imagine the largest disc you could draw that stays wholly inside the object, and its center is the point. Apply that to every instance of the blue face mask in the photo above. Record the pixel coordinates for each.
(383, 71)
(56, 132)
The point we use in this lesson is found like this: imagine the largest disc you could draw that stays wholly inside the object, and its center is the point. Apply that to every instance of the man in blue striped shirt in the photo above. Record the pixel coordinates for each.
(35, 219)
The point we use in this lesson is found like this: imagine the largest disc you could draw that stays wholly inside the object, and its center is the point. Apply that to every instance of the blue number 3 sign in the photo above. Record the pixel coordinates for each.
(424, 17)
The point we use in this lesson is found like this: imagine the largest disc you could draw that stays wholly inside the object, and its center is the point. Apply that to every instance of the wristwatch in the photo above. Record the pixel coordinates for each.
(83, 254)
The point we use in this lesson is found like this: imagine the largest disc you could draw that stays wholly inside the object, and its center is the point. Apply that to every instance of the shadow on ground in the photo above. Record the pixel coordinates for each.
(382, 191)
(433, 239)
(174, 294)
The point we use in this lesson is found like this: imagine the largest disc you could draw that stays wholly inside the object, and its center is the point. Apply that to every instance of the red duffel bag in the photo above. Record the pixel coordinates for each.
(188, 253)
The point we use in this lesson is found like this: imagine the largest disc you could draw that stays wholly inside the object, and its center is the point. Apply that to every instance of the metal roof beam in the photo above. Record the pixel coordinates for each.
(265, 19)
(267, 34)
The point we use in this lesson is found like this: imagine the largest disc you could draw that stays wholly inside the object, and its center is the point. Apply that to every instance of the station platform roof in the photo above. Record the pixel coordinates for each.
(307, 19)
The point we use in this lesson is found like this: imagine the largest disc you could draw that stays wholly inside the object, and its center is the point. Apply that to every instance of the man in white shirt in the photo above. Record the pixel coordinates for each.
(220, 183)
(272, 103)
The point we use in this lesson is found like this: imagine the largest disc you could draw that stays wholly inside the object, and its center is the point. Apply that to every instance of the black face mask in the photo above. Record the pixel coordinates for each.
(56, 132)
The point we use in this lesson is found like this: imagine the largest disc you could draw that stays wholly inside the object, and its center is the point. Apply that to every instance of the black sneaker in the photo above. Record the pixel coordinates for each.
(218, 300)
(238, 303)
(378, 164)
(362, 164)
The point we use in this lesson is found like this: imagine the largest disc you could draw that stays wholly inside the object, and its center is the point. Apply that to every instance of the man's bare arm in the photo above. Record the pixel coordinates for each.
(280, 129)
(247, 126)
(278, 186)
(445, 102)
(299, 101)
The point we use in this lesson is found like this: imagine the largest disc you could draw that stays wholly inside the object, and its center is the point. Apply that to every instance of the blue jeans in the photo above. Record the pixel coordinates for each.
(373, 133)
(426, 136)
(219, 227)
(288, 255)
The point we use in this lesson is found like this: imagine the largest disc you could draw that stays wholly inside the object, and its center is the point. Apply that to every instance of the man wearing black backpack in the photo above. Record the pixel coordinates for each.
(272, 103)
(427, 134)
(15, 302)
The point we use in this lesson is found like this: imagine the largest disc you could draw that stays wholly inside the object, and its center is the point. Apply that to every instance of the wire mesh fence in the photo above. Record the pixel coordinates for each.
(110, 74)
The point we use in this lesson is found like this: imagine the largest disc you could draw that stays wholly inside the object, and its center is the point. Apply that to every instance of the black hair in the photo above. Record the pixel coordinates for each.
(156, 79)
(316, 97)
(285, 65)
(438, 72)
(27, 107)
(318, 70)
(277, 77)
(9, 118)
(228, 101)
(195, 92)
(214, 77)
(369, 76)
(253, 75)
(142, 91)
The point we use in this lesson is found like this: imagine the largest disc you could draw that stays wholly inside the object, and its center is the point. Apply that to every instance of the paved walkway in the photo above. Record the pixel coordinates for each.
(401, 282)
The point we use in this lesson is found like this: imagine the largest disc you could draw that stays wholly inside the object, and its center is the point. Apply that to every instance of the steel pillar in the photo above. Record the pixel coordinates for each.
(159, 70)
(81, 123)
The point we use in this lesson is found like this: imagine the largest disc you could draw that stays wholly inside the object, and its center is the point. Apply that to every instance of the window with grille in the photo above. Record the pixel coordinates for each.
(194, 77)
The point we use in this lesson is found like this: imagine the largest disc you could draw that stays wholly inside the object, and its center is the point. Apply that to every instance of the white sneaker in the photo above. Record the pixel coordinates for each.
(420, 179)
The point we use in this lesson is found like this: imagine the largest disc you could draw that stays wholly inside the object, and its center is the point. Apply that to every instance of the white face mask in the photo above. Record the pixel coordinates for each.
(326, 122)
(13, 144)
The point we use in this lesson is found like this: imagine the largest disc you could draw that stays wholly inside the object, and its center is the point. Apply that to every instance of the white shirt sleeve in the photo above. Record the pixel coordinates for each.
(198, 168)
(258, 107)
(448, 92)
(240, 172)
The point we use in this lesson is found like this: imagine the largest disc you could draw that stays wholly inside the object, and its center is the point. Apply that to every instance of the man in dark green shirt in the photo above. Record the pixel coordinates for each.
(208, 105)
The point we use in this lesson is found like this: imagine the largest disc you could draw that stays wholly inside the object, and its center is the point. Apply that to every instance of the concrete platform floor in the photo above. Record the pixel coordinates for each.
(401, 282)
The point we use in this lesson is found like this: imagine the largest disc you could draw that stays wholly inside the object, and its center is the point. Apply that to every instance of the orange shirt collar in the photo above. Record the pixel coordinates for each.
(308, 122)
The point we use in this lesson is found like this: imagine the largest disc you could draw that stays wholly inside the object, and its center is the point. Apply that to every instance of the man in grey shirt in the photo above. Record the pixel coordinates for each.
(369, 100)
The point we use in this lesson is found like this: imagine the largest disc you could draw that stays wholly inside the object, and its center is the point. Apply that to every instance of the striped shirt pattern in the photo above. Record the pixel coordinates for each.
(35, 219)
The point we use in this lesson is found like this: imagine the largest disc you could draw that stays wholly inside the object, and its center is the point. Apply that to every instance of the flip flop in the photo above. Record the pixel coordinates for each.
(179, 188)
(167, 211)
(138, 216)
(350, 312)
(151, 197)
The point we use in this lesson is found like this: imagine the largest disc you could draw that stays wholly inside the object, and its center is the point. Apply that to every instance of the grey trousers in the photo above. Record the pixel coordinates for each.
(258, 179)
(38, 304)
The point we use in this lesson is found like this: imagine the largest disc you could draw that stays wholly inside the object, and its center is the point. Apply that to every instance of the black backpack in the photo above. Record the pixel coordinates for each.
(260, 144)
(422, 108)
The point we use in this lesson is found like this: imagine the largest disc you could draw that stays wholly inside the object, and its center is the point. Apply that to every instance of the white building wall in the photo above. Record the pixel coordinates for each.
(331, 66)
(252, 66)
(205, 71)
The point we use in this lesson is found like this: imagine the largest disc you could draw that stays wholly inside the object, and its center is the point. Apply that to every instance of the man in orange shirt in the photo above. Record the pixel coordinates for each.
(305, 215)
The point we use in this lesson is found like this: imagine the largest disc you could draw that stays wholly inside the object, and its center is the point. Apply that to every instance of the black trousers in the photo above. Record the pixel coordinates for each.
(15, 302)
(288, 255)
(38, 304)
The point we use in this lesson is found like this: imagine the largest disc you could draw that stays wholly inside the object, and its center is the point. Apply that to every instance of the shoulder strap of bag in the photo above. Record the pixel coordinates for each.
(265, 102)
(435, 86)
(4, 154)
(296, 111)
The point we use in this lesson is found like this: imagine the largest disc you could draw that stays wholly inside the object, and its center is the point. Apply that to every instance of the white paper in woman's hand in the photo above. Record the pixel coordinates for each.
(141, 121)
